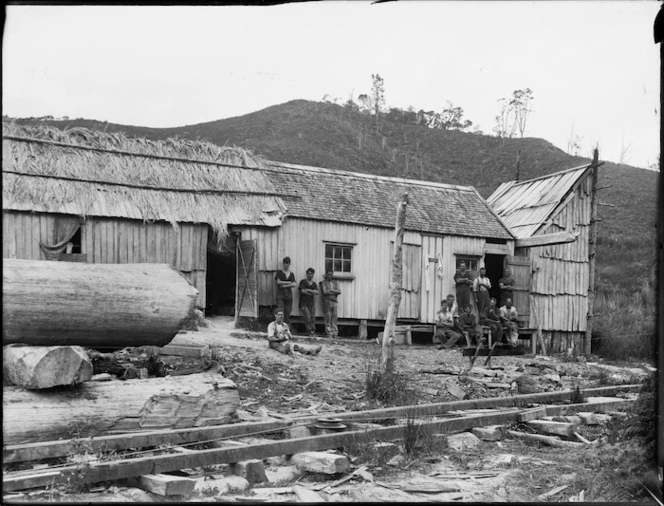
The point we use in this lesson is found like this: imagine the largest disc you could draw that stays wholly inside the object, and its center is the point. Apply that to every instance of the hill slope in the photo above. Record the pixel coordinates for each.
(331, 136)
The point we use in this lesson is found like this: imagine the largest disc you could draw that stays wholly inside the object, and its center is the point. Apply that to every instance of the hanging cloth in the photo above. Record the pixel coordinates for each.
(65, 228)
(439, 267)
(426, 276)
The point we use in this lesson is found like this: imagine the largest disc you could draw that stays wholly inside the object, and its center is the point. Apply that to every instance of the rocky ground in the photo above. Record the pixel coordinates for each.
(509, 470)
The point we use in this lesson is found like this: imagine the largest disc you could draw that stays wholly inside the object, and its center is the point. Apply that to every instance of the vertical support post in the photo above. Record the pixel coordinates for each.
(395, 286)
(518, 165)
(591, 254)
(363, 331)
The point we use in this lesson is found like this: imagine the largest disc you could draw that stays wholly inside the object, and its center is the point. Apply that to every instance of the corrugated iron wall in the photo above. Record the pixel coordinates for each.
(118, 241)
(561, 271)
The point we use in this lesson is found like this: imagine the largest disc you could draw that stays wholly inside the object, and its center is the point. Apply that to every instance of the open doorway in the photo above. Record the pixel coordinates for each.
(220, 282)
(494, 271)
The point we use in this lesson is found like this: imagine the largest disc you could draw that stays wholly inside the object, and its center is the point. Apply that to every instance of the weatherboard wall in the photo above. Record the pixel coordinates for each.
(366, 296)
(114, 241)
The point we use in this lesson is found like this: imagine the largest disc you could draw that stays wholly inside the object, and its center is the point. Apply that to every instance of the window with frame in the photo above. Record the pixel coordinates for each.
(471, 262)
(338, 258)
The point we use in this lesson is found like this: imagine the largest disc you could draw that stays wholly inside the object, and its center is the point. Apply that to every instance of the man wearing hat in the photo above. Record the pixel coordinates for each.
(285, 284)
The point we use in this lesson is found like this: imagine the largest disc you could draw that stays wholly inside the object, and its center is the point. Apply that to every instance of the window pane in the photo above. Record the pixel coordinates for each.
(337, 265)
(346, 265)
(345, 253)
(328, 265)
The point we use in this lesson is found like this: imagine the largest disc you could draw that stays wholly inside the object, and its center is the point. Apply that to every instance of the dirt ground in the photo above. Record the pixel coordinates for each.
(509, 470)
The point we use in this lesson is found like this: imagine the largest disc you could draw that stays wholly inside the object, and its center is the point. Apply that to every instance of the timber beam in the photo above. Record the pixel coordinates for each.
(120, 469)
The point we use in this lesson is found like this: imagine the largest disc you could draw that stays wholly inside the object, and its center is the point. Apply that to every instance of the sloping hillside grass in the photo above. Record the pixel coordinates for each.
(331, 136)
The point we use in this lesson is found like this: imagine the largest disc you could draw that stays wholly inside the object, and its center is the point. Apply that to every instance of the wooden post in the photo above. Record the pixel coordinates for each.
(395, 286)
(591, 254)
(518, 165)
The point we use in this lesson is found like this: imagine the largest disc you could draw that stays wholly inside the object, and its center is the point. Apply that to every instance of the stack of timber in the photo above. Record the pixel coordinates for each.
(52, 310)
(99, 306)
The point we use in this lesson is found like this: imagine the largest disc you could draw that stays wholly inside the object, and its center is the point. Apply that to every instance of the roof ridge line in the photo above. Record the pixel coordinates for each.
(362, 175)
(550, 175)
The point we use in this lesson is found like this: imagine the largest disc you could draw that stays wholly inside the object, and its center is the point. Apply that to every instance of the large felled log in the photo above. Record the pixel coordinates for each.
(96, 408)
(36, 367)
(93, 305)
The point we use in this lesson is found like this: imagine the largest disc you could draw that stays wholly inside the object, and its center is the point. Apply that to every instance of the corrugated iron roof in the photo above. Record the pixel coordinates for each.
(351, 197)
(526, 205)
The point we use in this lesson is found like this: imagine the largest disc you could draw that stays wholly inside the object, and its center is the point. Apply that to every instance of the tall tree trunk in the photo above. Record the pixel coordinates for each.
(591, 256)
(395, 287)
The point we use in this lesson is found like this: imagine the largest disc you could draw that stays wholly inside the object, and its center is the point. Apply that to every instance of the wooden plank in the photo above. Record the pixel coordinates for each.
(492, 402)
(306, 495)
(61, 448)
(166, 485)
(122, 242)
(549, 440)
(115, 470)
(558, 428)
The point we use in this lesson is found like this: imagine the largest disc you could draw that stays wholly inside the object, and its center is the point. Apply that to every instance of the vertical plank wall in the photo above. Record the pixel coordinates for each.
(561, 274)
(106, 240)
(365, 297)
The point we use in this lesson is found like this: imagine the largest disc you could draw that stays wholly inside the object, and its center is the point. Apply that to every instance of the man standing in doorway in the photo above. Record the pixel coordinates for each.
(331, 291)
(481, 286)
(308, 289)
(285, 284)
(506, 284)
(463, 281)
(510, 319)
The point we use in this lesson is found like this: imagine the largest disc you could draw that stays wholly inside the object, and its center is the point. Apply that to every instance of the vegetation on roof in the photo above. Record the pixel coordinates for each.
(134, 178)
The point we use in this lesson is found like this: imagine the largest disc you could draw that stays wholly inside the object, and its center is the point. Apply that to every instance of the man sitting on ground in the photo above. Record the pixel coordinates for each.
(280, 338)
(471, 329)
(446, 323)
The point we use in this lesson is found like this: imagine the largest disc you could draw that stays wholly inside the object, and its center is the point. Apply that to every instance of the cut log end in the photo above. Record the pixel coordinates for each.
(40, 367)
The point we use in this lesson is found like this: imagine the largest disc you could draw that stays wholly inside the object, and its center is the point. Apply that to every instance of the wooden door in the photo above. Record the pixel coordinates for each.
(522, 274)
(411, 280)
(246, 295)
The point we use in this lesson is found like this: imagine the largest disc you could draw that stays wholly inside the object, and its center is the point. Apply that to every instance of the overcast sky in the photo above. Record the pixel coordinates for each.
(593, 66)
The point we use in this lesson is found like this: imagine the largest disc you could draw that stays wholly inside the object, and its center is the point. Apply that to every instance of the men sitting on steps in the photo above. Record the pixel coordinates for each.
(446, 323)
(510, 319)
(280, 338)
(471, 329)
(493, 322)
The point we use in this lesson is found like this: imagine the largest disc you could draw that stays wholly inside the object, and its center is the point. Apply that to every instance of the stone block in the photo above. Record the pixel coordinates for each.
(283, 475)
(252, 470)
(223, 485)
(321, 462)
(489, 433)
(462, 441)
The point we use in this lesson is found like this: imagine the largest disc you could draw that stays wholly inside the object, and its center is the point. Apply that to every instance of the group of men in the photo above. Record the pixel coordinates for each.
(278, 330)
(452, 325)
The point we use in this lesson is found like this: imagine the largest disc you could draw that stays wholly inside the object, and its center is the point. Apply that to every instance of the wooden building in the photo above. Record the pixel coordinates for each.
(550, 217)
(78, 195)
(346, 220)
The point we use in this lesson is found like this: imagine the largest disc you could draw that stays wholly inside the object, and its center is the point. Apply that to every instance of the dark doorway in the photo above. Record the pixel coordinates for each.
(494, 271)
(220, 283)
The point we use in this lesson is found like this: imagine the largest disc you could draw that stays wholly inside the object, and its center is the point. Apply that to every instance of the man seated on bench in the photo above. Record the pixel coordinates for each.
(280, 338)
(472, 330)
(446, 323)
(510, 319)
(493, 322)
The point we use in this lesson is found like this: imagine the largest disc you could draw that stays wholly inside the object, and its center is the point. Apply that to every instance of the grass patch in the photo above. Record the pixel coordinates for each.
(389, 388)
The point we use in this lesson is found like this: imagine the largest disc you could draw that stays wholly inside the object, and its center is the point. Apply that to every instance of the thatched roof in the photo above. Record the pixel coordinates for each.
(77, 171)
